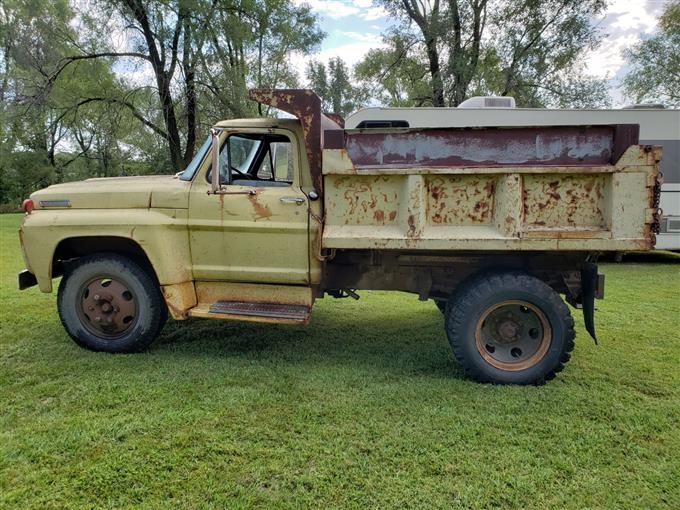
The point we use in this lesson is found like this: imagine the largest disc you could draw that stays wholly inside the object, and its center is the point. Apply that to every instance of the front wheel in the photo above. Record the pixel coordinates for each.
(509, 329)
(109, 303)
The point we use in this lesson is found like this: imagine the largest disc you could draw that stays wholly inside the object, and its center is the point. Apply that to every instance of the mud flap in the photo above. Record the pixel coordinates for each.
(588, 289)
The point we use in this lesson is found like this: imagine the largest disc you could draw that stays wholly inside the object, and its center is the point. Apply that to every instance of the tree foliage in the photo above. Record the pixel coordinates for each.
(100, 87)
(531, 49)
(655, 74)
(38, 120)
(199, 51)
(334, 85)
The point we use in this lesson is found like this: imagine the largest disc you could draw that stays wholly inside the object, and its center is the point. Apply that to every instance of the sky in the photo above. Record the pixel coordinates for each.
(353, 27)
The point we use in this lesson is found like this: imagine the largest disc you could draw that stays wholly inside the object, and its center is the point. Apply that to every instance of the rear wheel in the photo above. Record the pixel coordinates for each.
(109, 303)
(509, 329)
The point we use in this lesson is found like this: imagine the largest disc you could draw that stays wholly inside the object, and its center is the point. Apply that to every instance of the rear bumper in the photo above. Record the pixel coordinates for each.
(26, 279)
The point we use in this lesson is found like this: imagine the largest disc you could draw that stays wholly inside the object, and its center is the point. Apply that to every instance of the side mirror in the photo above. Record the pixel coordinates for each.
(215, 160)
(313, 195)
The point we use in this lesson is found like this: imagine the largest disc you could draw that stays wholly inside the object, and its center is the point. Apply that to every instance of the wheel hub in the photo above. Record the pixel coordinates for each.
(513, 335)
(507, 330)
(108, 307)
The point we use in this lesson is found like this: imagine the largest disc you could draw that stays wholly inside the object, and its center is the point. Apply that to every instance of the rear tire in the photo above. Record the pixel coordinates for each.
(509, 328)
(108, 303)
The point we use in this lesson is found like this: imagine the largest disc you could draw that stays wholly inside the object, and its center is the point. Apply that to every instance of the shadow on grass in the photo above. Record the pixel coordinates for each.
(415, 344)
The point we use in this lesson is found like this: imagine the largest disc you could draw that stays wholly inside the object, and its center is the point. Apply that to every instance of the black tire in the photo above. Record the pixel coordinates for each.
(441, 304)
(509, 328)
(108, 303)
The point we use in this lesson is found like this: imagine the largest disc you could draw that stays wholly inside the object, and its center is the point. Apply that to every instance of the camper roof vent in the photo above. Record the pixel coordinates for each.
(488, 102)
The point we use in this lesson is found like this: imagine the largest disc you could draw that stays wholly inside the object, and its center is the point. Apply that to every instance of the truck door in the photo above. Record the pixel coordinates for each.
(256, 228)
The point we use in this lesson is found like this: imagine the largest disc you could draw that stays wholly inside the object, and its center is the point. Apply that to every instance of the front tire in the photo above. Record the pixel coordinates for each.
(509, 328)
(109, 303)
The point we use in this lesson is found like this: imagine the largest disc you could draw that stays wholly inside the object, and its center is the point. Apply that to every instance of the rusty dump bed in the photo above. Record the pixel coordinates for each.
(547, 188)
(581, 188)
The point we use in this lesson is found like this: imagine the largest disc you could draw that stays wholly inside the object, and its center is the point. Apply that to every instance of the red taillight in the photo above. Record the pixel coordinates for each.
(27, 206)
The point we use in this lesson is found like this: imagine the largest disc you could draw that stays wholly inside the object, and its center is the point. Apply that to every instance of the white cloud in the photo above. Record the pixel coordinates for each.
(625, 23)
(627, 15)
(606, 60)
(375, 13)
(360, 37)
(340, 9)
(351, 53)
(140, 75)
(331, 8)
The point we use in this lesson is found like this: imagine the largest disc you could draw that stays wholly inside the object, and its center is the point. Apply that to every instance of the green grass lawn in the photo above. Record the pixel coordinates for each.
(363, 408)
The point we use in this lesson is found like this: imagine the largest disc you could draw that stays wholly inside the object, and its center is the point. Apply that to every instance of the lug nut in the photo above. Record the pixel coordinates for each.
(96, 297)
(97, 319)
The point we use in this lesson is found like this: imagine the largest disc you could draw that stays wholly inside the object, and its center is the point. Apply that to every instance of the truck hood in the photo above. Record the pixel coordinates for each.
(157, 191)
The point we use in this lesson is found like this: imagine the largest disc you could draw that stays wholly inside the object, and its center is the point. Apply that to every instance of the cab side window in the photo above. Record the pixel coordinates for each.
(260, 160)
(277, 163)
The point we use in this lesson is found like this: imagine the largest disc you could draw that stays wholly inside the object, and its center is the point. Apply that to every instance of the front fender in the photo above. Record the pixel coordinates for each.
(161, 234)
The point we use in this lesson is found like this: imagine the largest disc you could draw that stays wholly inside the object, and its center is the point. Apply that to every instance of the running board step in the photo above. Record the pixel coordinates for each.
(270, 310)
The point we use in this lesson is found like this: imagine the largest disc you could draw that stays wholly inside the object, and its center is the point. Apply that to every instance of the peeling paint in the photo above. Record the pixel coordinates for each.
(483, 147)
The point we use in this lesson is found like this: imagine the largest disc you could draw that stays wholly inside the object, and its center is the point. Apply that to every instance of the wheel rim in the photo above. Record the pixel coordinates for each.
(108, 308)
(513, 335)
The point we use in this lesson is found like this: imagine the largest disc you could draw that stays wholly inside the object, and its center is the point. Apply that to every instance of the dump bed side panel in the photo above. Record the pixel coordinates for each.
(559, 189)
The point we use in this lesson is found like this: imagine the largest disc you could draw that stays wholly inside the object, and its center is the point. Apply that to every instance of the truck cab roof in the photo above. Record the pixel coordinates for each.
(260, 122)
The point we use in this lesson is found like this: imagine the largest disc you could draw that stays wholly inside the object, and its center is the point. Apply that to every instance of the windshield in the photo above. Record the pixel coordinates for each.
(188, 174)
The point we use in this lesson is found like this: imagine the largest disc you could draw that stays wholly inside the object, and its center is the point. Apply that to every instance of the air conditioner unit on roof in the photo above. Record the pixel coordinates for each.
(488, 102)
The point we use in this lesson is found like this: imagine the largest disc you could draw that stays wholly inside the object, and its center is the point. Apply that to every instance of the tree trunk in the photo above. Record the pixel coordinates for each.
(163, 79)
(435, 73)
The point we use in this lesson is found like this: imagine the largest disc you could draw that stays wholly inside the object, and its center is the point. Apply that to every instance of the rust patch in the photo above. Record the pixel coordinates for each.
(355, 201)
(262, 212)
(180, 298)
(306, 106)
(393, 215)
(411, 226)
(574, 200)
(460, 199)
(176, 312)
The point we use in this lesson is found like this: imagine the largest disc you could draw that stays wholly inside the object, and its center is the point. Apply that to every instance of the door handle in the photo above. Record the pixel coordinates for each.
(292, 200)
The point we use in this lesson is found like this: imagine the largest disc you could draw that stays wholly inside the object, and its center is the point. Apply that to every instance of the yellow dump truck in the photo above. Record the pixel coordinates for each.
(493, 224)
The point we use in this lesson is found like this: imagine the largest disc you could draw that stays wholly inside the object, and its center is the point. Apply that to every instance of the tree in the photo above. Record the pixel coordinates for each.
(527, 48)
(655, 74)
(198, 52)
(395, 75)
(108, 87)
(334, 86)
(428, 17)
(37, 115)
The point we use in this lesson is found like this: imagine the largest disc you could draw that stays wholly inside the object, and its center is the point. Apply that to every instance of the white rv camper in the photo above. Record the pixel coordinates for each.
(658, 126)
